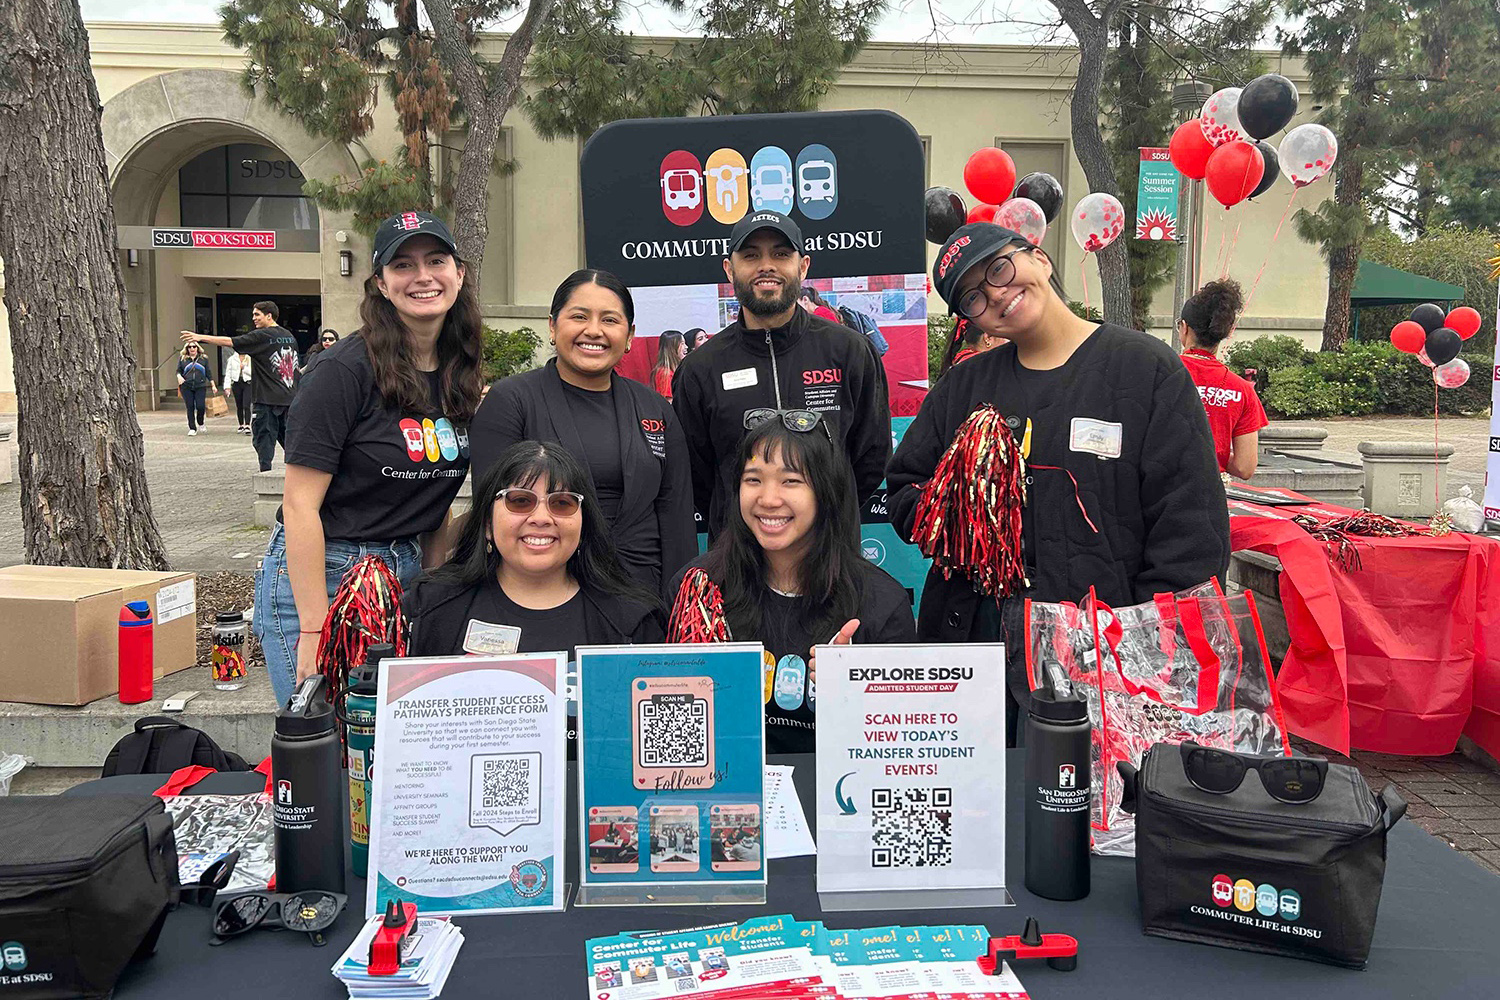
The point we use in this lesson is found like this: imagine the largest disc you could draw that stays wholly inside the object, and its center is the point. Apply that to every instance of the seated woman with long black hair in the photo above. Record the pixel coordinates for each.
(789, 569)
(534, 569)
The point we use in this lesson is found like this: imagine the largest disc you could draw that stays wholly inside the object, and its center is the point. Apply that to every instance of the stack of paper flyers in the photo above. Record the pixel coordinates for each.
(426, 959)
(784, 958)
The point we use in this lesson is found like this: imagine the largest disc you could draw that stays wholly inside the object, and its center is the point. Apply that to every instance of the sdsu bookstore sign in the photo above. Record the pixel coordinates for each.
(661, 195)
(212, 239)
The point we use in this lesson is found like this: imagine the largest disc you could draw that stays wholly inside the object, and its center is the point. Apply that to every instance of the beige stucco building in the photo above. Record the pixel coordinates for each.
(182, 136)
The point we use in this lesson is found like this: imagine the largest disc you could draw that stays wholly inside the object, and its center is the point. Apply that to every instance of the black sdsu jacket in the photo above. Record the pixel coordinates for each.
(1124, 418)
(817, 365)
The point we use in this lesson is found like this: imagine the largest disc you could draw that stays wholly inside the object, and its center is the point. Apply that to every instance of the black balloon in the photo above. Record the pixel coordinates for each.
(1430, 316)
(1266, 105)
(945, 213)
(1045, 191)
(1443, 345)
(1273, 167)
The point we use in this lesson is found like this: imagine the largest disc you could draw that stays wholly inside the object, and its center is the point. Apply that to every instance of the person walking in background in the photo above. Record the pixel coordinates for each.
(696, 338)
(193, 383)
(813, 303)
(326, 339)
(1234, 411)
(670, 350)
(237, 376)
(274, 350)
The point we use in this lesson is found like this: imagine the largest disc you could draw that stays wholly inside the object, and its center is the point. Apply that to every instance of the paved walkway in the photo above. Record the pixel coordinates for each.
(1469, 436)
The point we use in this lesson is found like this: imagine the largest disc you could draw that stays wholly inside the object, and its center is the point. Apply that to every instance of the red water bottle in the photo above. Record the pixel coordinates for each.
(136, 653)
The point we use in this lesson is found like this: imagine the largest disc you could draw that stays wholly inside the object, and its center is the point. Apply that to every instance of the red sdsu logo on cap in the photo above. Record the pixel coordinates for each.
(823, 376)
(409, 220)
(950, 255)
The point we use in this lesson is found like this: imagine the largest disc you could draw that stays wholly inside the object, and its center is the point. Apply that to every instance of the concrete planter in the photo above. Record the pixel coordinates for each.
(1404, 479)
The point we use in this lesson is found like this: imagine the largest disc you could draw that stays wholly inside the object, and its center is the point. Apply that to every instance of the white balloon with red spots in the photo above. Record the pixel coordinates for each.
(1220, 118)
(1097, 221)
(1025, 217)
(1307, 153)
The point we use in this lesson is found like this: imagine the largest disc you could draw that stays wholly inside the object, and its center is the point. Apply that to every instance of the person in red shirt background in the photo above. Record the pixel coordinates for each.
(1234, 412)
(670, 350)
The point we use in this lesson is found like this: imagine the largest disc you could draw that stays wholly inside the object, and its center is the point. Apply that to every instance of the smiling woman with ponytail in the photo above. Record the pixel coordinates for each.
(1234, 412)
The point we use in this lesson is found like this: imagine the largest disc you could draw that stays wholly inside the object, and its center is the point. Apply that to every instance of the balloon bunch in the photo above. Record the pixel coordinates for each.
(1225, 145)
(1027, 207)
(1435, 338)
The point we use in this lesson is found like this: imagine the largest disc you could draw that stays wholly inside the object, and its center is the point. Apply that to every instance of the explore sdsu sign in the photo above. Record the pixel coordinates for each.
(212, 239)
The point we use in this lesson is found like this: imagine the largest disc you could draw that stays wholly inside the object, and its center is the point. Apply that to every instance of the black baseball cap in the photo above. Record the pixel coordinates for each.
(399, 228)
(756, 221)
(969, 245)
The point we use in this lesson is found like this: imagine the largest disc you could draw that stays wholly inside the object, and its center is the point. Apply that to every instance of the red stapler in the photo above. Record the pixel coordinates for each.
(1060, 950)
(385, 951)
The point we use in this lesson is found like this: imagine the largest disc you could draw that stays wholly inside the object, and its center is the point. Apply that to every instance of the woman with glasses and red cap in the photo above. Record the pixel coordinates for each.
(1091, 437)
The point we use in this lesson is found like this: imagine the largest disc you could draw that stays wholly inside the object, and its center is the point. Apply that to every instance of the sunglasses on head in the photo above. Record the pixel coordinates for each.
(311, 912)
(801, 421)
(519, 500)
(1296, 780)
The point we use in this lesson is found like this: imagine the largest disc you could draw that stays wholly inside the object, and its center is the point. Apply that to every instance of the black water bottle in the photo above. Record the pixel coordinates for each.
(1057, 795)
(308, 810)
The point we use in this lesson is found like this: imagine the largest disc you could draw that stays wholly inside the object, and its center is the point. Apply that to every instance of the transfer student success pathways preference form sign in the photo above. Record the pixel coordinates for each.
(911, 775)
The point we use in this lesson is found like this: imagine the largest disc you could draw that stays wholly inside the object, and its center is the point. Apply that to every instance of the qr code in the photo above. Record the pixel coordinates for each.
(913, 827)
(674, 731)
(506, 780)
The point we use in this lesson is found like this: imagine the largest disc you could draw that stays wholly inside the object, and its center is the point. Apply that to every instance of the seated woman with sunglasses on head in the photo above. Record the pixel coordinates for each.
(1121, 486)
(789, 570)
(534, 570)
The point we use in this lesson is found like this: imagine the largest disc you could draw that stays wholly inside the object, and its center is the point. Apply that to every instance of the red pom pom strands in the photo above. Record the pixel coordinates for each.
(364, 612)
(698, 612)
(969, 518)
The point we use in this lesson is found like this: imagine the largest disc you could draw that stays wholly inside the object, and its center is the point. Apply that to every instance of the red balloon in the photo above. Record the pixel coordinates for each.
(1408, 337)
(1463, 321)
(986, 213)
(1190, 149)
(1234, 171)
(990, 175)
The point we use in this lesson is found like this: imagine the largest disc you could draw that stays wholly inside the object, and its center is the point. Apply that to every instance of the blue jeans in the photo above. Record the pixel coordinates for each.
(276, 624)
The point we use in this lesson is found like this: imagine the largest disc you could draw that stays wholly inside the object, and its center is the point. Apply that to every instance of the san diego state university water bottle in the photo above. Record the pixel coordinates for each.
(1057, 795)
(308, 809)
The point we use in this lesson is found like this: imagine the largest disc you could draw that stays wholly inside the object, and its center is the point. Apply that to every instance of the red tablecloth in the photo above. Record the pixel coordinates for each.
(1401, 655)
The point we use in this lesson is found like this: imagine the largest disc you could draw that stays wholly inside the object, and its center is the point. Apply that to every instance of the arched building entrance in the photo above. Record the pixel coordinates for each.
(206, 181)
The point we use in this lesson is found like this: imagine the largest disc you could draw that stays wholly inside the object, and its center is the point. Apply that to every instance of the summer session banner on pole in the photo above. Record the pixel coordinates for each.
(468, 805)
(1156, 197)
(911, 776)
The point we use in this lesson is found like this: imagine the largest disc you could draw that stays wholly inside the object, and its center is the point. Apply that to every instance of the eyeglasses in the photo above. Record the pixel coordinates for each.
(1001, 272)
(1296, 780)
(523, 501)
(311, 911)
(801, 421)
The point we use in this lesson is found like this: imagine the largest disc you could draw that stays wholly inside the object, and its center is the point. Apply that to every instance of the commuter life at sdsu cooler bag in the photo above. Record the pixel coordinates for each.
(1243, 870)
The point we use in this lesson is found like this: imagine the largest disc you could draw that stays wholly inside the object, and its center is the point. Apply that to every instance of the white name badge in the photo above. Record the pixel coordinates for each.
(742, 379)
(484, 639)
(1096, 437)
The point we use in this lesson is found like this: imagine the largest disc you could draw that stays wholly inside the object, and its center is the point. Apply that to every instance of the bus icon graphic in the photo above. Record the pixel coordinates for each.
(681, 188)
(817, 181)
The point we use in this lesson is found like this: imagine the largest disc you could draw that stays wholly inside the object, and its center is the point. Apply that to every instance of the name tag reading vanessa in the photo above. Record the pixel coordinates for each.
(485, 639)
(1095, 437)
(742, 379)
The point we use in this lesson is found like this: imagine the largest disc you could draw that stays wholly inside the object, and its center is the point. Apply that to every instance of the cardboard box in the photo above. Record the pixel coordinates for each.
(59, 629)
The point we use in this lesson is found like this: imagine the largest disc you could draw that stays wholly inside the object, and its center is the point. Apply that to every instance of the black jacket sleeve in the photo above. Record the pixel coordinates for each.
(674, 505)
(499, 423)
(689, 403)
(1182, 496)
(890, 616)
(868, 437)
(918, 456)
(651, 630)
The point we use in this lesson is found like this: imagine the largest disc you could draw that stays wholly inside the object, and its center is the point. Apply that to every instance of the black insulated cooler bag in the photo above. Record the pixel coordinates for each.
(1243, 870)
(85, 886)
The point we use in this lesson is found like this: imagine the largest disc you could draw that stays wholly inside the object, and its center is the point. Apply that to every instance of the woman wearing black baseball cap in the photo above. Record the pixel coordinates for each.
(377, 441)
(1122, 489)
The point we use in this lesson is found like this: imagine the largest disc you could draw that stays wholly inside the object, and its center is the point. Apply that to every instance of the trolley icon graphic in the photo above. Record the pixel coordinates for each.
(681, 188)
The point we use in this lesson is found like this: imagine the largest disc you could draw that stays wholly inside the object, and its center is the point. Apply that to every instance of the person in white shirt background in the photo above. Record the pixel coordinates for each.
(237, 381)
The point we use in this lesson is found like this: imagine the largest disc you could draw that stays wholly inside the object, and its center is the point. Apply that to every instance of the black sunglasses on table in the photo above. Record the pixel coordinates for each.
(1295, 780)
(311, 911)
(801, 421)
(1001, 272)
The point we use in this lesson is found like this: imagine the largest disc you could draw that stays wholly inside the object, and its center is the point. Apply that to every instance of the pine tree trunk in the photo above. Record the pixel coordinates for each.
(1348, 191)
(84, 500)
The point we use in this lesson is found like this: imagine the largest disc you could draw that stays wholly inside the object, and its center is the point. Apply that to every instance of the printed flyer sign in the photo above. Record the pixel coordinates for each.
(671, 766)
(911, 772)
(469, 791)
(1156, 196)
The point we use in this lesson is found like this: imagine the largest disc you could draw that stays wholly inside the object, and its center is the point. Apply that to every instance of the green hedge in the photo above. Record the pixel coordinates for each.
(1364, 378)
(508, 352)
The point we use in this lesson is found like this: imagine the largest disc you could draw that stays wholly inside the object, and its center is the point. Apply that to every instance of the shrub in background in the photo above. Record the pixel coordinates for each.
(508, 352)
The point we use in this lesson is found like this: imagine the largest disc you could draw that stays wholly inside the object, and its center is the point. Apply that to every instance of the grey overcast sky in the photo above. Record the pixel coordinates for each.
(905, 21)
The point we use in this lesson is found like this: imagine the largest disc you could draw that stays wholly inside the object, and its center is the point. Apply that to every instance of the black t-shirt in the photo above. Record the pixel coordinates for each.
(546, 630)
(395, 474)
(274, 370)
(599, 427)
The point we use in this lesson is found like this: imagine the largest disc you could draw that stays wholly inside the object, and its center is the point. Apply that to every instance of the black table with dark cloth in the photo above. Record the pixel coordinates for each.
(1438, 936)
